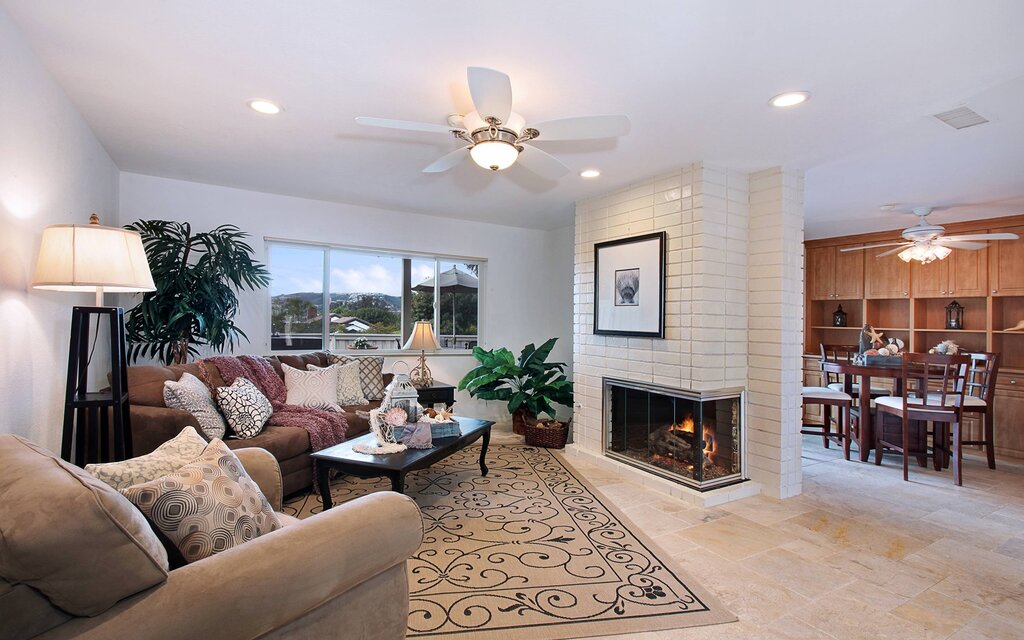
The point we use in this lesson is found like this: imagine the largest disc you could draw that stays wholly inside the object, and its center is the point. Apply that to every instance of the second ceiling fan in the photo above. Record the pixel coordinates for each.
(926, 243)
(497, 137)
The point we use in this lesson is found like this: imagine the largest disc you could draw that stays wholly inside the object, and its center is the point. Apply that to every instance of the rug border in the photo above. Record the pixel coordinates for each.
(715, 612)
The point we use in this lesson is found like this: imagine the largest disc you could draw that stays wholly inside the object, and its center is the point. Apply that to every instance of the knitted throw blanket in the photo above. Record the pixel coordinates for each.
(325, 428)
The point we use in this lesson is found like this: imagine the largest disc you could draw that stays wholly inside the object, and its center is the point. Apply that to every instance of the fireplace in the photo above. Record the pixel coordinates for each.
(692, 437)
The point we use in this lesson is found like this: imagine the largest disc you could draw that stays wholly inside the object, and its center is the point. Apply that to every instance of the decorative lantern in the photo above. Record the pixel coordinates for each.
(401, 393)
(954, 316)
(839, 317)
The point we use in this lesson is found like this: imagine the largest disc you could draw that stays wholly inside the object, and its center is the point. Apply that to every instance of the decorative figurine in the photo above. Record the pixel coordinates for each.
(870, 339)
(839, 317)
(954, 315)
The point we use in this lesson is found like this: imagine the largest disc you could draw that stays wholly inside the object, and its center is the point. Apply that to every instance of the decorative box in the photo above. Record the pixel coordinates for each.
(882, 360)
(437, 430)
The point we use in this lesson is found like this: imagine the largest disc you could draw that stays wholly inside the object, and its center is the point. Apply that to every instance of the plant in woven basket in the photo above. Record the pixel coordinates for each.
(196, 276)
(529, 384)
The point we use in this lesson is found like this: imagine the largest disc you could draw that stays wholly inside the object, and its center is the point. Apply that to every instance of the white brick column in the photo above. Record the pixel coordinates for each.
(775, 344)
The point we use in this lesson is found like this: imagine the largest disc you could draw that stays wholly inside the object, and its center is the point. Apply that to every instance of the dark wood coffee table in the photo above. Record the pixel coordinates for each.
(396, 465)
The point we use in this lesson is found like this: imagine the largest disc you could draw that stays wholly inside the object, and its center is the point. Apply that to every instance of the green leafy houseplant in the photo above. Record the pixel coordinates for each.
(195, 302)
(528, 384)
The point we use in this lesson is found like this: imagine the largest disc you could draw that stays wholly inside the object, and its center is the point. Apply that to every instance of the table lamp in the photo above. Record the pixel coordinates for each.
(77, 257)
(423, 339)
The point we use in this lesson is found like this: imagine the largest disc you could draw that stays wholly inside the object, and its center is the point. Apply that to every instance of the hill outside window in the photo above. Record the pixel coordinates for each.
(344, 299)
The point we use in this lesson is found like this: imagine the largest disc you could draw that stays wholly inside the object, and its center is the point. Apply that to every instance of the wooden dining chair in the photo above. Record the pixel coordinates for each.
(979, 392)
(828, 398)
(845, 353)
(933, 391)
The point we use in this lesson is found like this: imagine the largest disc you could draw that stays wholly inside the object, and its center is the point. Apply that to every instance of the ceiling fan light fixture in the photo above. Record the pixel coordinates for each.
(790, 99)
(494, 154)
(925, 253)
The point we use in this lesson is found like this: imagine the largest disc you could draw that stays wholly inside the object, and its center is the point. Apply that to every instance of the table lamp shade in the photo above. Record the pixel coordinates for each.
(422, 338)
(77, 257)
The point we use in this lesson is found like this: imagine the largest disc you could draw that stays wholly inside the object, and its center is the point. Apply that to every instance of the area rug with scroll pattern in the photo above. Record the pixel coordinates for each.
(529, 552)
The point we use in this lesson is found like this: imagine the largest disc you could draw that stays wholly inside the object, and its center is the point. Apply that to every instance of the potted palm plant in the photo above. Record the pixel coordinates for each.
(529, 384)
(195, 302)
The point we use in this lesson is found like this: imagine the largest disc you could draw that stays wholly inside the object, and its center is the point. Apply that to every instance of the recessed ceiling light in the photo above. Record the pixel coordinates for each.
(265, 107)
(589, 173)
(887, 207)
(790, 99)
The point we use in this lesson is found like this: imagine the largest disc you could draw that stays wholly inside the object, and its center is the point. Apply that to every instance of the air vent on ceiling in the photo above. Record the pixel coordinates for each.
(961, 118)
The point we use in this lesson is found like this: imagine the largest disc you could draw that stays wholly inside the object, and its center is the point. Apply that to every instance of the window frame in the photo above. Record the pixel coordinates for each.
(326, 249)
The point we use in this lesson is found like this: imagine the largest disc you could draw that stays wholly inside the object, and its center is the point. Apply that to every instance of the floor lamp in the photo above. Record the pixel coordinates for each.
(94, 258)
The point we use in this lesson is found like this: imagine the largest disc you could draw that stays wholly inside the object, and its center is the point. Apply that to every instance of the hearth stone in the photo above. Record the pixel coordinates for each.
(694, 438)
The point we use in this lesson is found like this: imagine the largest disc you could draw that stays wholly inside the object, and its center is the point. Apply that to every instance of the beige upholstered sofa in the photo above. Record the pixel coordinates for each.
(77, 560)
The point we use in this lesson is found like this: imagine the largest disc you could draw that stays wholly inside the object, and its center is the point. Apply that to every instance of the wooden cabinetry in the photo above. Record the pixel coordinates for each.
(1006, 264)
(963, 273)
(908, 301)
(887, 277)
(838, 275)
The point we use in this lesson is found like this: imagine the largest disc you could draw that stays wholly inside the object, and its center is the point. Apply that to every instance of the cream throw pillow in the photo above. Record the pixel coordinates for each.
(349, 390)
(167, 458)
(190, 394)
(208, 506)
(314, 388)
(371, 369)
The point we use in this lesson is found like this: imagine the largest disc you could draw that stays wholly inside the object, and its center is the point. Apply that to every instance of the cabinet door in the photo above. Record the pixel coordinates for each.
(887, 277)
(849, 274)
(968, 272)
(821, 272)
(1006, 264)
(1009, 407)
(930, 280)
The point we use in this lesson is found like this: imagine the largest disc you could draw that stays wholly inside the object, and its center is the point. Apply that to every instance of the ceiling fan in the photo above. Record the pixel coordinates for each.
(926, 243)
(496, 137)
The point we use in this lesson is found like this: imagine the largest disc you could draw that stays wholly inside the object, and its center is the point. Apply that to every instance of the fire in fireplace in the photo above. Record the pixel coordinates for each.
(691, 437)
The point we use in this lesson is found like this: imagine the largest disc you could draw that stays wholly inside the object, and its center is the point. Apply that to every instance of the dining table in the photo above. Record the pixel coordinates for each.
(848, 369)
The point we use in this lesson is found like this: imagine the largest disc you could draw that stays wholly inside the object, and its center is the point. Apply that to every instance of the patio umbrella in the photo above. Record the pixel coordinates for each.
(452, 281)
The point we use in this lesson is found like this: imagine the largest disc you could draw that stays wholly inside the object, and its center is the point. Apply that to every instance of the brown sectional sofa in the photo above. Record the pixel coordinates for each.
(153, 423)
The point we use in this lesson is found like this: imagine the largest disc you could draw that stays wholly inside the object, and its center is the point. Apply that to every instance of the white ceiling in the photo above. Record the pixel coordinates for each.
(164, 86)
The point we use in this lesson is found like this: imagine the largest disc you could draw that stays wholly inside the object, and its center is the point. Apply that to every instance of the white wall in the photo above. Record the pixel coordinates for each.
(52, 170)
(528, 278)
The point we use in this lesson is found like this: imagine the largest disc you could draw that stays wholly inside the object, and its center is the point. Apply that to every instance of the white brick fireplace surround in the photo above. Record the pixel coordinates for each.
(733, 312)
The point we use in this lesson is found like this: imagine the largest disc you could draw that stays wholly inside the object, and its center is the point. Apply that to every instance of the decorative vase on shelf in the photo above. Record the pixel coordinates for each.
(839, 317)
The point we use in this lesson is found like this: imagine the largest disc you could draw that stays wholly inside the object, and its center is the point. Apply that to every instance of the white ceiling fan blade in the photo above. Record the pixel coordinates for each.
(447, 161)
(491, 91)
(406, 125)
(542, 163)
(890, 252)
(583, 128)
(875, 246)
(982, 236)
(959, 244)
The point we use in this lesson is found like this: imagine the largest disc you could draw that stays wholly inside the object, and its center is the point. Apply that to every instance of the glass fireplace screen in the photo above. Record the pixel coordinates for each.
(688, 436)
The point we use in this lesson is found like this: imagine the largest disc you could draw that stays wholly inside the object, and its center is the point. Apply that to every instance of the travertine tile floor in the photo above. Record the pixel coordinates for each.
(860, 554)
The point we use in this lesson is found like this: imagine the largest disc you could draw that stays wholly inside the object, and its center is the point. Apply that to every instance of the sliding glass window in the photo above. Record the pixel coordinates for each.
(342, 299)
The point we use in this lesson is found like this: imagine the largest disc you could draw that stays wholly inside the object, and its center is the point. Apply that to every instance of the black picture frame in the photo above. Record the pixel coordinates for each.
(659, 239)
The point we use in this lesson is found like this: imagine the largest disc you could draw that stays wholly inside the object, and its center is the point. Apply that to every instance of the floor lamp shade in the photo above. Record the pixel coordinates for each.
(88, 257)
(79, 257)
(422, 340)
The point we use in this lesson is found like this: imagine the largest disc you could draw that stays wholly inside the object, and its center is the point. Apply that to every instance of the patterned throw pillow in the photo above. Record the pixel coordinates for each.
(314, 388)
(245, 407)
(168, 457)
(207, 506)
(190, 394)
(371, 372)
(350, 386)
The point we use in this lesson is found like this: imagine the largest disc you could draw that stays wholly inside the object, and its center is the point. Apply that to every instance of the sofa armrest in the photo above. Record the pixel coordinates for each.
(262, 467)
(267, 583)
(153, 426)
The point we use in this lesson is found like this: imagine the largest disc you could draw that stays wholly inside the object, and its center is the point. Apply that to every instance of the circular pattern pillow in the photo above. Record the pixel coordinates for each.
(244, 407)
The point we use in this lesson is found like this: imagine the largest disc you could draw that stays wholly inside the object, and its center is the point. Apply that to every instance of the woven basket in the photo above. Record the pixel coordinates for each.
(538, 435)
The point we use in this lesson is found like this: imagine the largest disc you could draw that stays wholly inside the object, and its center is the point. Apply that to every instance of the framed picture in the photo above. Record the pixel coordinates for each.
(629, 286)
